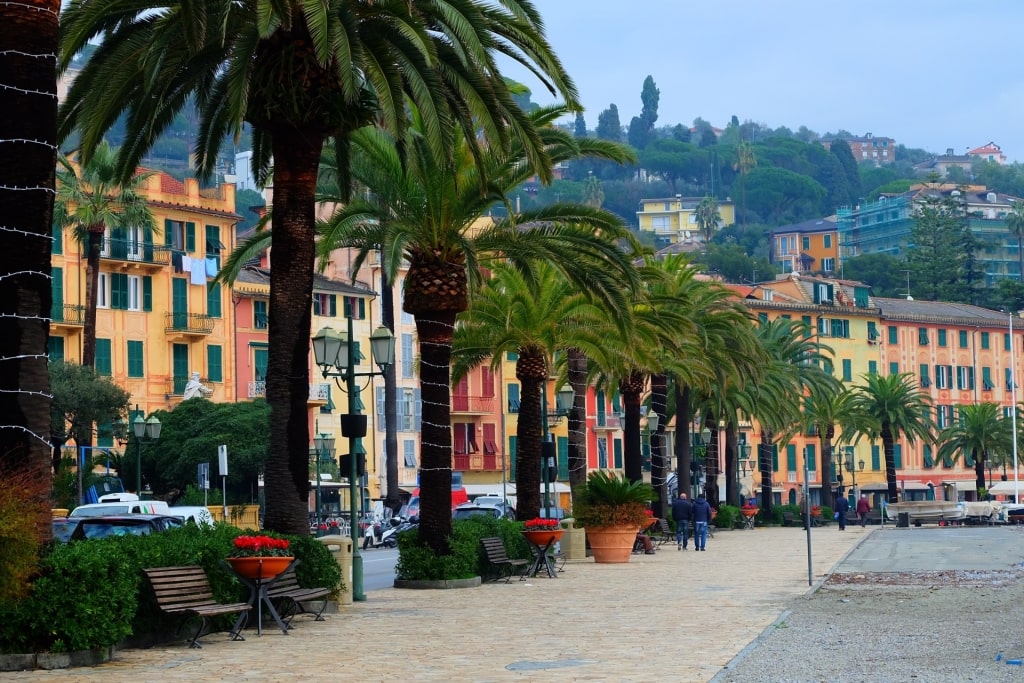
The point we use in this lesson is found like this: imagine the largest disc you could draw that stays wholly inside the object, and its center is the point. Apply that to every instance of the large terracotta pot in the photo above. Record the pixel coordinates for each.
(263, 568)
(542, 537)
(611, 544)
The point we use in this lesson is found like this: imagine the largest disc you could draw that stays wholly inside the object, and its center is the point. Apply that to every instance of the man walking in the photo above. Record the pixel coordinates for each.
(863, 508)
(682, 511)
(842, 507)
(701, 517)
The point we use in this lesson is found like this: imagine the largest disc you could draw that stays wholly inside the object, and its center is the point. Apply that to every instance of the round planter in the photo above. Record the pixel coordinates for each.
(543, 537)
(611, 544)
(261, 568)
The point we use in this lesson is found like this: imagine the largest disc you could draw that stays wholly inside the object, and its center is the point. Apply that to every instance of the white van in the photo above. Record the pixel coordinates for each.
(191, 513)
(120, 504)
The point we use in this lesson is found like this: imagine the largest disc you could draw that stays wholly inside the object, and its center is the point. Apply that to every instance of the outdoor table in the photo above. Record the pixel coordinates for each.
(258, 598)
(541, 558)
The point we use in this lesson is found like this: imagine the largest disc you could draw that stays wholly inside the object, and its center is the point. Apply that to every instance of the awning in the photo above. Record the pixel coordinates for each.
(900, 484)
(962, 484)
(1006, 487)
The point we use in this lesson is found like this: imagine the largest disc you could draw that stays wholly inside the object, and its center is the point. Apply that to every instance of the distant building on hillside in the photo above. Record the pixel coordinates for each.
(878, 150)
(674, 219)
(989, 152)
(808, 246)
(942, 163)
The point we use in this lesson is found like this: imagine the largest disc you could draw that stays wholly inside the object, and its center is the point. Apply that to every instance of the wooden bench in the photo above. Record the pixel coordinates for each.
(788, 519)
(285, 589)
(499, 559)
(662, 533)
(186, 591)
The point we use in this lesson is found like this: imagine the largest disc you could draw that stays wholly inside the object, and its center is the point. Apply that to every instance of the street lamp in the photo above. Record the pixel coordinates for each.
(148, 430)
(337, 356)
(705, 437)
(563, 404)
(850, 466)
(324, 447)
(744, 465)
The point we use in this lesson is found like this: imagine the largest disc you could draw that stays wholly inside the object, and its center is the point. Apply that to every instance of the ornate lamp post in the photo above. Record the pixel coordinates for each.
(705, 437)
(745, 464)
(144, 430)
(324, 447)
(563, 404)
(849, 463)
(336, 355)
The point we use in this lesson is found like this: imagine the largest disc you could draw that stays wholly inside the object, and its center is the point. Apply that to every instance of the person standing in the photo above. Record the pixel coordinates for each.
(842, 507)
(863, 508)
(682, 511)
(701, 516)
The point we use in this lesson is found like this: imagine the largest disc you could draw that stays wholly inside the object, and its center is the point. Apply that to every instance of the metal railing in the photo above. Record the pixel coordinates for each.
(318, 391)
(472, 404)
(134, 250)
(192, 323)
(68, 314)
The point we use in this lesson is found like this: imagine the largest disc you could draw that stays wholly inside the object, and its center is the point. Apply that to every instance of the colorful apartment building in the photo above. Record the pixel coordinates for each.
(159, 316)
(990, 152)
(810, 246)
(877, 150)
(674, 219)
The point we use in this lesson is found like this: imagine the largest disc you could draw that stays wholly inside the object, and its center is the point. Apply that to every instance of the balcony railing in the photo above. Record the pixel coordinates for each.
(608, 421)
(258, 389)
(134, 250)
(178, 384)
(462, 462)
(68, 314)
(189, 323)
(318, 391)
(462, 403)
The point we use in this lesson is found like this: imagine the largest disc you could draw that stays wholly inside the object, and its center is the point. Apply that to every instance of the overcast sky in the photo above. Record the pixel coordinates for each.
(933, 74)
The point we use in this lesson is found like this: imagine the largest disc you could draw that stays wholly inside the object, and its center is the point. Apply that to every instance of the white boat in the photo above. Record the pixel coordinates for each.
(927, 510)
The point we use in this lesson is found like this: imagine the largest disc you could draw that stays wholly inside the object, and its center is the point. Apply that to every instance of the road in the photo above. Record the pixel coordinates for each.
(379, 568)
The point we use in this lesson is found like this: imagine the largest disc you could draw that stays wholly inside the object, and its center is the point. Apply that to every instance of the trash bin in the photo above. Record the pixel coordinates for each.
(903, 520)
(341, 549)
(574, 541)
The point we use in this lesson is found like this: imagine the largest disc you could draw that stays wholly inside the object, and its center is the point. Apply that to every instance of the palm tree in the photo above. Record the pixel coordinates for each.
(823, 412)
(745, 160)
(302, 72)
(1015, 223)
(896, 408)
(429, 211)
(981, 431)
(27, 114)
(707, 217)
(90, 201)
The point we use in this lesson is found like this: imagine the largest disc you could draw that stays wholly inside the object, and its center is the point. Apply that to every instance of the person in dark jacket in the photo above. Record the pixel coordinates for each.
(842, 507)
(701, 517)
(682, 511)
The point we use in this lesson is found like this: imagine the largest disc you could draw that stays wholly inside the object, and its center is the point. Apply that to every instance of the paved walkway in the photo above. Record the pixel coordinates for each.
(674, 615)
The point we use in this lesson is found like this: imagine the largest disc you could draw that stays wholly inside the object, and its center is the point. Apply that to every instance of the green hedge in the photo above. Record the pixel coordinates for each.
(93, 594)
(467, 558)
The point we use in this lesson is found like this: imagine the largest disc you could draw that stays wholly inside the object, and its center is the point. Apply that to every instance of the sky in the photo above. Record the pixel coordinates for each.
(931, 74)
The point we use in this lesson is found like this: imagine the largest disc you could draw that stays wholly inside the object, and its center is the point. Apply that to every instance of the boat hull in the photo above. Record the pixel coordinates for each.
(927, 510)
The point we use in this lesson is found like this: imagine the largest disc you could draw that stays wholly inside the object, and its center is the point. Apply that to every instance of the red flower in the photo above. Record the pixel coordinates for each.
(260, 546)
(540, 524)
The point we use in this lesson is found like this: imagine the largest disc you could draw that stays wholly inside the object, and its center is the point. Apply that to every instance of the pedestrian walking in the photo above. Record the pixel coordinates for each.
(863, 508)
(682, 511)
(842, 507)
(701, 516)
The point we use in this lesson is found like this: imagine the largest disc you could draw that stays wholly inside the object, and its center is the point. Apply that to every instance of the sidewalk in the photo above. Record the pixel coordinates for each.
(673, 615)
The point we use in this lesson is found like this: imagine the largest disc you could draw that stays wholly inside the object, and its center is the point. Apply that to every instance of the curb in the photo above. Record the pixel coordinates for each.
(55, 660)
(422, 584)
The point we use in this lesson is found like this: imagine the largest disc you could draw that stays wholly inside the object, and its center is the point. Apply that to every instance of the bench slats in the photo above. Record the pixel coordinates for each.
(498, 556)
(286, 588)
(187, 591)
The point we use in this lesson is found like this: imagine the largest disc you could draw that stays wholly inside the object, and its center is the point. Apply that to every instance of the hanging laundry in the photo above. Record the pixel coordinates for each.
(211, 266)
(186, 263)
(176, 257)
(198, 272)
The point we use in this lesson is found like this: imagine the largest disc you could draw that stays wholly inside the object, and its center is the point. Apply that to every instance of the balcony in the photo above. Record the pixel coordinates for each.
(144, 255)
(258, 389)
(608, 421)
(319, 392)
(480, 405)
(67, 315)
(188, 324)
(461, 462)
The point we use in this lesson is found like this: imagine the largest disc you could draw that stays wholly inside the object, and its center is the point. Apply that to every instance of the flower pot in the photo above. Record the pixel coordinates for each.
(261, 568)
(541, 537)
(610, 544)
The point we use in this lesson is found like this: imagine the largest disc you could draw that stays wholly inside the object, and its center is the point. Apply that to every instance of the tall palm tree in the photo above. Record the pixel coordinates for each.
(430, 211)
(1015, 223)
(91, 199)
(302, 72)
(981, 431)
(27, 113)
(896, 408)
(823, 412)
(707, 217)
(745, 161)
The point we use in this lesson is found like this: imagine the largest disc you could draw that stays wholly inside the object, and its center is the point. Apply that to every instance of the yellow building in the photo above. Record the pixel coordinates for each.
(674, 219)
(159, 319)
(811, 246)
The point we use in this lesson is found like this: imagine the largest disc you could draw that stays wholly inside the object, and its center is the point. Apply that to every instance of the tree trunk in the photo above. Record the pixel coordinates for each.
(979, 470)
(93, 246)
(387, 306)
(711, 463)
(826, 464)
(531, 371)
(28, 111)
(890, 463)
(296, 159)
(630, 391)
(732, 482)
(577, 365)
(659, 462)
(684, 418)
(764, 451)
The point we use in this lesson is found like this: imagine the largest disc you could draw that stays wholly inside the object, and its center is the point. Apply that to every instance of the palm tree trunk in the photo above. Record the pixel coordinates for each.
(387, 305)
(764, 451)
(711, 463)
(28, 111)
(826, 464)
(659, 463)
(979, 470)
(684, 418)
(435, 334)
(296, 158)
(630, 392)
(732, 488)
(531, 370)
(890, 463)
(576, 361)
(93, 246)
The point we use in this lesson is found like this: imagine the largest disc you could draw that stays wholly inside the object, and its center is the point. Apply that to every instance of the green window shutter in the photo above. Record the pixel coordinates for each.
(57, 294)
(119, 291)
(617, 403)
(513, 443)
(333, 299)
(762, 318)
(928, 460)
(179, 300)
(168, 232)
(563, 458)
(58, 239)
(147, 245)
(104, 361)
(602, 409)
(259, 315)
(1006, 341)
(876, 462)
(104, 435)
(847, 370)
(828, 366)
(512, 390)
(963, 339)
(213, 308)
(924, 380)
(808, 327)
(986, 378)
(984, 340)
(136, 366)
(894, 368)
(872, 367)
(775, 457)
(259, 362)
(812, 457)
(55, 349)
(617, 450)
(791, 457)
(179, 366)
(147, 293)
(872, 331)
(190, 237)
(897, 455)
(894, 335)
(511, 356)
(214, 363)
(212, 240)
(922, 336)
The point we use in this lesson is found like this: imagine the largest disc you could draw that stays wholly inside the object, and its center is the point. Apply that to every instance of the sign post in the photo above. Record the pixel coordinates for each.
(204, 480)
(222, 462)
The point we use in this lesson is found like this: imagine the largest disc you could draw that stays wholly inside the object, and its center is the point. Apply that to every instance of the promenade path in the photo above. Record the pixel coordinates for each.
(673, 615)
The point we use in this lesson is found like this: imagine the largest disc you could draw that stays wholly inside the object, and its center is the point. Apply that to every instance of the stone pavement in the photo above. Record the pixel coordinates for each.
(673, 615)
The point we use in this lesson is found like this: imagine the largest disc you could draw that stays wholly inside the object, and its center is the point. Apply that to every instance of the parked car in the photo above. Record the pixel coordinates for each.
(63, 528)
(196, 514)
(467, 510)
(556, 513)
(496, 501)
(121, 507)
(122, 525)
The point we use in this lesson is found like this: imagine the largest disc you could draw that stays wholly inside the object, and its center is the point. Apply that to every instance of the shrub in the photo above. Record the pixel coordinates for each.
(21, 501)
(727, 516)
(467, 559)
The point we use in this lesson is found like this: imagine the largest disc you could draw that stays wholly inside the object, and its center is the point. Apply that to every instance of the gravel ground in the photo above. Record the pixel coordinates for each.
(906, 626)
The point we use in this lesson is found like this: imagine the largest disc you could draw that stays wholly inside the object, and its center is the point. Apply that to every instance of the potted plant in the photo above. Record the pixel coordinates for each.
(541, 531)
(612, 509)
(260, 557)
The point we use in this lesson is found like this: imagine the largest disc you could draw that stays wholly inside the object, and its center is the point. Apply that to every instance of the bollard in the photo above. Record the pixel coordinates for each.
(574, 541)
(341, 549)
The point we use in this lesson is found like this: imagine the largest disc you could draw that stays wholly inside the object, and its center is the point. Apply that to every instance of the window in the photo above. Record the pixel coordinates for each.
(104, 362)
(213, 308)
(872, 367)
(408, 360)
(806, 320)
(861, 297)
(356, 305)
(55, 349)
(894, 368)
(964, 377)
(894, 335)
(135, 359)
(259, 363)
(805, 242)
(58, 239)
(602, 453)
(922, 336)
(259, 314)
(986, 379)
(811, 456)
(823, 293)
(660, 223)
(147, 293)
(827, 240)
(762, 318)
(103, 290)
(876, 459)
(929, 461)
(1006, 342)
(406, 410)
(872, 331)
(511, 356)
(828, 264)
(847, 370)
(963, 339)
(213, 248)
(942, 338)
(180, 236)
(925, 381)
(134, 293)
(512, 391)
(214, 363)
(1010, 384)
(409, 452)
(325, 305)
(984, 340)
(791, 457)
